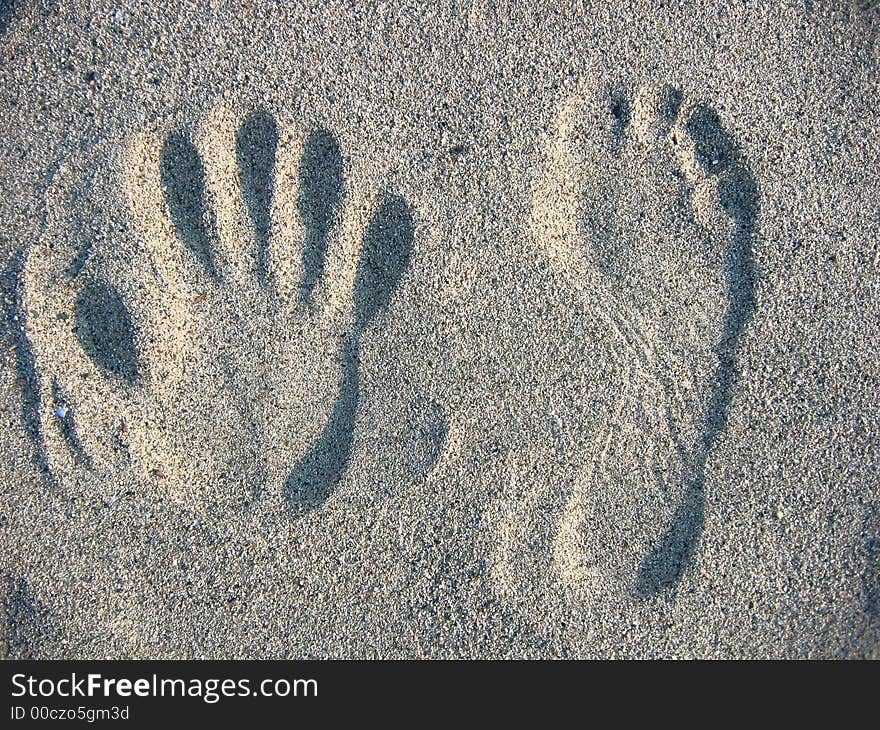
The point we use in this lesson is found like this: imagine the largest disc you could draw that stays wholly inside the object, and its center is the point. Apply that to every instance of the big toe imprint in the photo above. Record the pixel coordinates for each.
(648, 200)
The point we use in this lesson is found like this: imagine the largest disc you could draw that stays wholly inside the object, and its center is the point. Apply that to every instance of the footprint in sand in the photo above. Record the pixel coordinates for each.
(206, 331)
(649, 210)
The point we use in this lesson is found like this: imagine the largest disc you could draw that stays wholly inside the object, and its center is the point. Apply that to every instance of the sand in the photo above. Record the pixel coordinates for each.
(439, 330)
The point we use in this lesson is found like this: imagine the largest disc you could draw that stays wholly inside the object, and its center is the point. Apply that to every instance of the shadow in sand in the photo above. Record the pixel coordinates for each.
(25, 362)
(256, 145)
(320, 196)
(183, 179)
(106, 332)
(7, 8)
(871, 570)
(385, 255)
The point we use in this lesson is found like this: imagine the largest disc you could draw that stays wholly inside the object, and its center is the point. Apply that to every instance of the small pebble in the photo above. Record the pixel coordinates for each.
(61, 411)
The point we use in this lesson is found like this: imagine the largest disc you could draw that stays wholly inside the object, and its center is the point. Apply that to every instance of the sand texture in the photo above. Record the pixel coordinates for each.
(457, 329)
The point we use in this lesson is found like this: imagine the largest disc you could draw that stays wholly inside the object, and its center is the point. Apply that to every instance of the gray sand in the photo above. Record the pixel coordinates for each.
(445, 330)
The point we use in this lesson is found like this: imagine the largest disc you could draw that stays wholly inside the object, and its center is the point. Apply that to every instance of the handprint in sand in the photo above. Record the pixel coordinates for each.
(196, 308)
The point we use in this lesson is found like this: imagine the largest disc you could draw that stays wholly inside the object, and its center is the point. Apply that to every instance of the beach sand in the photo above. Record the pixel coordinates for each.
(439, 330)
